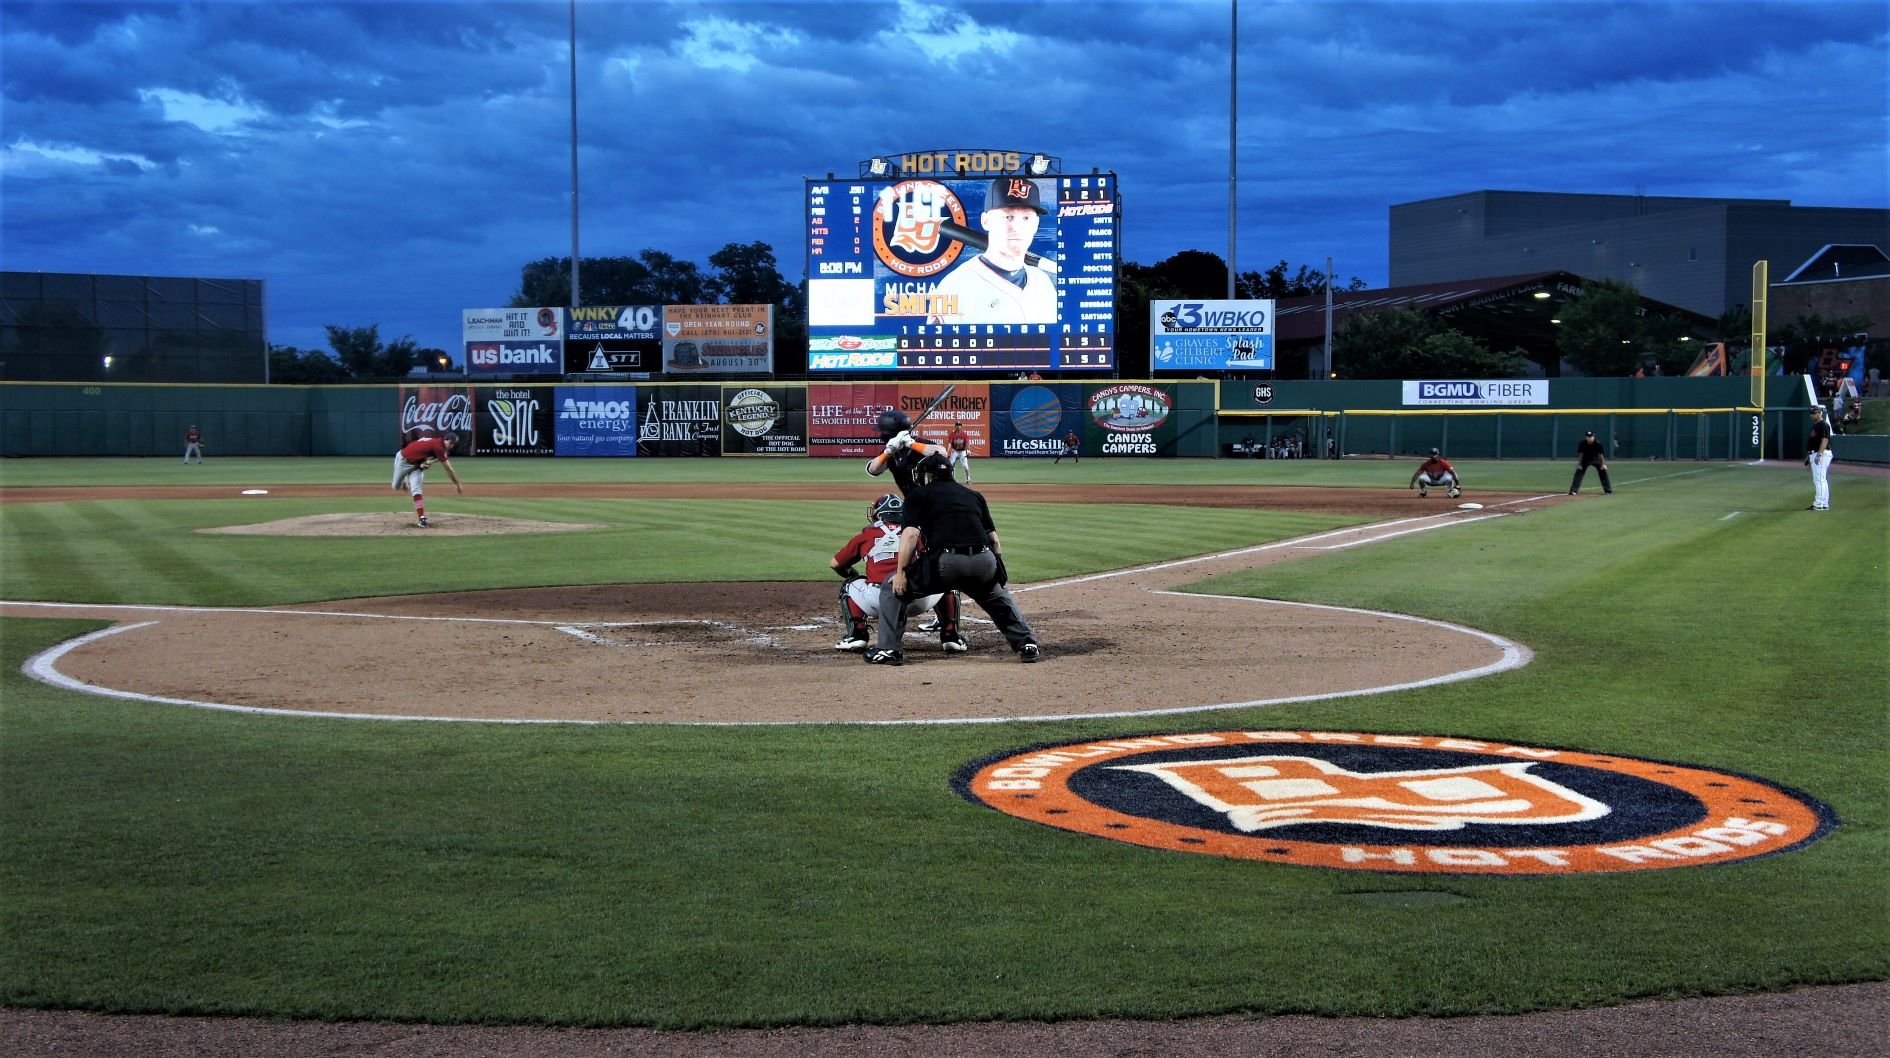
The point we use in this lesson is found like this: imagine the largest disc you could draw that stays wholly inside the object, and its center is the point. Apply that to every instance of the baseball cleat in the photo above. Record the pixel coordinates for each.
(955, 645)
(1029, 653)
(1423, 493)
(423, 521)
(885, 657)
(931, 626)
(851, 643)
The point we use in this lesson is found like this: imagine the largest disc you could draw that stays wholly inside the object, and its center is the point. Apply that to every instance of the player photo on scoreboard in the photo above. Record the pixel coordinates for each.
(1001, 271)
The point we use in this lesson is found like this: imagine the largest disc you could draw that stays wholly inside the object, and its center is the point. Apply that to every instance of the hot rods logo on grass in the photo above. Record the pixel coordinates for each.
(1407, 803)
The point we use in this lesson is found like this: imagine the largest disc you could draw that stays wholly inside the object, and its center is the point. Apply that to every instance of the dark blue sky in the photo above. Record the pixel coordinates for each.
(391, 163)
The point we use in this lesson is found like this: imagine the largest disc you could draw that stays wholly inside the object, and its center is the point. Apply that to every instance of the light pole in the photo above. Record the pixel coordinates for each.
(575, 299)
(1233, 136)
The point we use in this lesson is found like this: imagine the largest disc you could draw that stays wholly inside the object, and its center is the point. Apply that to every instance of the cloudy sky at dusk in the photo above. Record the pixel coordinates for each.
(393, 162)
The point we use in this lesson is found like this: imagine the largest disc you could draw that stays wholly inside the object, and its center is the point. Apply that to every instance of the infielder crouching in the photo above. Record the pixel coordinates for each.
(410, 469)
(863, 596)
(1437, 471)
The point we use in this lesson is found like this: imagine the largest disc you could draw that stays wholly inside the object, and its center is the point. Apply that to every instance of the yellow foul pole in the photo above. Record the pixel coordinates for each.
(1760, 287)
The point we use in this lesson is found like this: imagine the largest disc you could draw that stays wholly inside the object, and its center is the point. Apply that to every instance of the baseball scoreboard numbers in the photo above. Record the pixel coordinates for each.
(899, 278)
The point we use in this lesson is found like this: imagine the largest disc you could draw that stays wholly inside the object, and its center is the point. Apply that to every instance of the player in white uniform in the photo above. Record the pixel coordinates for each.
(998, 285)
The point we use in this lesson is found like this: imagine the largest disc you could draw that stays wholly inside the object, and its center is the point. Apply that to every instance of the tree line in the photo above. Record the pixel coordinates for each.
(1605, 330)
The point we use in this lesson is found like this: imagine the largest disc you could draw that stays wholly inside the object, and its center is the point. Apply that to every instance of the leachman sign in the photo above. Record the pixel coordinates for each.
(1509, 391)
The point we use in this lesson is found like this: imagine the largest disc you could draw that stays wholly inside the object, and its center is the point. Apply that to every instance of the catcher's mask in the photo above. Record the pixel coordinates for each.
(891, 421)
(890, 508)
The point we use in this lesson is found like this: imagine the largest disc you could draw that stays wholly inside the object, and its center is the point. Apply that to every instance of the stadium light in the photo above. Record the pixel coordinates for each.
(1540, 295)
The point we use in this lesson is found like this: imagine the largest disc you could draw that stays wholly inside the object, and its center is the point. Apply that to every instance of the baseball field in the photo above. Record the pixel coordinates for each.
(582, 755)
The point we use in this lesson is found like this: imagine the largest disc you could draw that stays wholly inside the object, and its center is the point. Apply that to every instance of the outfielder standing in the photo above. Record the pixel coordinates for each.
(1818, 458)
(960, 442)
(863, 596)
(193, 444)
(1589, 454)
(1072, 447)
(410, 468)
(1437, 471)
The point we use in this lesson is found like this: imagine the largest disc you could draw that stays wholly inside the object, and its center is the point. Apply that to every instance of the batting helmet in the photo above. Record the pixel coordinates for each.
(450, 438)
(890, 508)
(891, 421)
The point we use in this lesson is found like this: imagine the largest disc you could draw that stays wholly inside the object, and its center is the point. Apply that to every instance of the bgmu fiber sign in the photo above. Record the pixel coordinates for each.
(1508, 391)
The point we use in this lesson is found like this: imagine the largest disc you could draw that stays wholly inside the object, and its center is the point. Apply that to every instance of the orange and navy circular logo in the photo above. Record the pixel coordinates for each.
(1408, 803)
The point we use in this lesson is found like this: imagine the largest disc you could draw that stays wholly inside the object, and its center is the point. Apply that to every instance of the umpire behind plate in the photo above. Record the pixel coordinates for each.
(950, 543)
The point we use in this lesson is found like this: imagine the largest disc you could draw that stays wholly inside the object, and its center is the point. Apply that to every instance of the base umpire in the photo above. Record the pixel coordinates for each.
(950, 543)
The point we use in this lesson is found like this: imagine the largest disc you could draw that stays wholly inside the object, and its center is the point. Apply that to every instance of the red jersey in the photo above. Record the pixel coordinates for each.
(1436, 465)
(960, 440)
(878, 546)
(424, 449)
(193, 435)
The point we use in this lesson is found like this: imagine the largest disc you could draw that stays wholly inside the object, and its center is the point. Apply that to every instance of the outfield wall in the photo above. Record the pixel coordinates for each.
(1661, 418)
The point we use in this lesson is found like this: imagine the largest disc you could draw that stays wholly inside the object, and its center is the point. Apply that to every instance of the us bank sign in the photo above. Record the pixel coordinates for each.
(1509, 391)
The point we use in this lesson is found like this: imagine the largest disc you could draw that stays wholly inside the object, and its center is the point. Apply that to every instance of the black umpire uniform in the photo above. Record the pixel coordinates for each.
(1590, 454)
(961, 553)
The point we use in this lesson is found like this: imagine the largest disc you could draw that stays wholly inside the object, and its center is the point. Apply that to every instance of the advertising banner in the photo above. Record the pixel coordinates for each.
(511, 325)
(764, 420)
(1210, 335)
(613, 339)
(542, 357)
(595, 421)
(842, 417)
(679, 420)
(718, 339)
(1030, 420)
(1502, 392)
(852, 352)
(514, 420)
(1133, 419)
(969, 406)
(434, 410)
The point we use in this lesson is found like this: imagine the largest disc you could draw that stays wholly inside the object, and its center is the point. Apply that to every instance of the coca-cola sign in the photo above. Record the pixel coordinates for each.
(433, 410)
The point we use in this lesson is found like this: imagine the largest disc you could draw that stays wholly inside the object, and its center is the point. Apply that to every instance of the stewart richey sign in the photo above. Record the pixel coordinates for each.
(1405, 803)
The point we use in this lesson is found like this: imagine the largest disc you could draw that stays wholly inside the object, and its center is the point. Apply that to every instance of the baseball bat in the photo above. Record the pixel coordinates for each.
(979, 241)
(932, 407)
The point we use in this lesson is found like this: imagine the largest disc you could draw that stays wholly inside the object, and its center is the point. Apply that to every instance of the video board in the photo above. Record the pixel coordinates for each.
(987, 273)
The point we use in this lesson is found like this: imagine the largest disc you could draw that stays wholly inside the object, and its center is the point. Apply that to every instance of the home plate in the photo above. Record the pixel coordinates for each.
(1469, 506)
(255, 492)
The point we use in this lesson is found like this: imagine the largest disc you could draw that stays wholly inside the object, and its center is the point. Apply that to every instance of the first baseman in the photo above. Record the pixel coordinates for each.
(410, 468)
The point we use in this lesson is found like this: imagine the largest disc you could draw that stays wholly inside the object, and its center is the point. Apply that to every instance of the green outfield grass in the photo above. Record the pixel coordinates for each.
(165, 859)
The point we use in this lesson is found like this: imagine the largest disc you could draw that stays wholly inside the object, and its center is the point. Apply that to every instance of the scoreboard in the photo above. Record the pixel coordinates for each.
(1004, 273)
